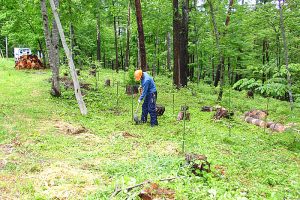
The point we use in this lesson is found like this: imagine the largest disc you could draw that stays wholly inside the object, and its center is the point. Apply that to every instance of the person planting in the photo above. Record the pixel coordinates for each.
(149, 94)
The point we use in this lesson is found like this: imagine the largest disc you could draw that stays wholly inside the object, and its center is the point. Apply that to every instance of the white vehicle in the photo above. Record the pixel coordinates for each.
(18, 52)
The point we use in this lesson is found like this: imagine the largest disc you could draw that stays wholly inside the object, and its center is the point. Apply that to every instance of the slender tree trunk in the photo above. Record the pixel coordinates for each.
(176, 44)
(128, 39)
(138, 9)
(116, 45)
(52, 49)
(169, 51)
(278, 51)
(286, 55)
(222, 57)
(98, 39)
(71, 62)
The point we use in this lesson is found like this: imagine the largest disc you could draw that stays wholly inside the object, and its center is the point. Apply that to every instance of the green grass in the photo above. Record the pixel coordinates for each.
(43, 162)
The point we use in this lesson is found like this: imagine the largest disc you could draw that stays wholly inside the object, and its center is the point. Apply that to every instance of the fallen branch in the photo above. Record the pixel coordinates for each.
(118, 190)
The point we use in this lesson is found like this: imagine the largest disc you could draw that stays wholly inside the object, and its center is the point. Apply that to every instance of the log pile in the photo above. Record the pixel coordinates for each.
(29, 62)
(257, 118)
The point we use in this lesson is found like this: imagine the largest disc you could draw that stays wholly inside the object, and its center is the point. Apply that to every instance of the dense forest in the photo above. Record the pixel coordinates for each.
(245, 44)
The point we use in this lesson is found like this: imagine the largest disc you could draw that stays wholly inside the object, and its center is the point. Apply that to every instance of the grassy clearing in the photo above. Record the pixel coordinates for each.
(39, 159)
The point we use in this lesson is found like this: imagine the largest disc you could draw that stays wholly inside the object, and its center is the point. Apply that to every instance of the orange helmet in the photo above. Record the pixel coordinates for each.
(138, 75)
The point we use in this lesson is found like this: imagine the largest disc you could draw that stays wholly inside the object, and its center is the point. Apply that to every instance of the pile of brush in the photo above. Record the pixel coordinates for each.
(29, 62)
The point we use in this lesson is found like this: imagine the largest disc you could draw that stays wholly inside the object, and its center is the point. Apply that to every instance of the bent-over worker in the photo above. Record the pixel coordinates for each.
(149, 95)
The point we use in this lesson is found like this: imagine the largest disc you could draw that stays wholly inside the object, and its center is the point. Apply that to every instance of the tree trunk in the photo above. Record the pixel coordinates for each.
(116, 45)
(169, 51)
(138, 9)
(98, 39)
(51, 49)
(286, 55)
(128, 39)
(71, 62)
(184, 54)
(176, 44)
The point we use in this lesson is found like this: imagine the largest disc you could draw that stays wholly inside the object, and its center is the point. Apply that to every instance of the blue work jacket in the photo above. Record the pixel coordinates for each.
(148, 85)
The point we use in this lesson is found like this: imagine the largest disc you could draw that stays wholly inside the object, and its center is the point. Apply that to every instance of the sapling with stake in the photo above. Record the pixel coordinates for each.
(183, 135)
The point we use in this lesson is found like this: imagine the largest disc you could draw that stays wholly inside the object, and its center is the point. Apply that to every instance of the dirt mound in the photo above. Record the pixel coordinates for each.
(29, 62)
(69, 128)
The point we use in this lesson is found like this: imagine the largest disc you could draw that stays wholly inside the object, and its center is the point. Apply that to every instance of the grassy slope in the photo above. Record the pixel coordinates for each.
(39, 161)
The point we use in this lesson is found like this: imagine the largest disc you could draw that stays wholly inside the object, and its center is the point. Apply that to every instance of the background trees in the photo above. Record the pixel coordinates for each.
(179, 35)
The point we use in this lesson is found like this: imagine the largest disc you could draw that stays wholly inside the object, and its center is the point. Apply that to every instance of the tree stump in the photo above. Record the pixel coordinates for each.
(198, 163)
(222, 113)
(250, 94)
(160, 110)
(93, 72)
(107, 83)
(180, 116)
(78, 72)
(132, 89)
(207, 109)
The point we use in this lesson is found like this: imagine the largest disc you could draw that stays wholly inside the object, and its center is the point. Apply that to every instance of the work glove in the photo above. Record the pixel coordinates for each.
(139, 101)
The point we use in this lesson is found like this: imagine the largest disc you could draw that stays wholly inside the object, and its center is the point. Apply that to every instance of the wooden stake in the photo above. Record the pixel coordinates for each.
(229, 106)
(183, 136)
(132, 104)
(6, 46)
(117, 94)
(78, 95)
(173, 103)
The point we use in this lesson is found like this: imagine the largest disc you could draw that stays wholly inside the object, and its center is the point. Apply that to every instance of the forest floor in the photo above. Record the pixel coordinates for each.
(49, 151)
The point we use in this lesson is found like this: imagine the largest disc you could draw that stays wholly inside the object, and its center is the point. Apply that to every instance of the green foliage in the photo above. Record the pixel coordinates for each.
(247, 84)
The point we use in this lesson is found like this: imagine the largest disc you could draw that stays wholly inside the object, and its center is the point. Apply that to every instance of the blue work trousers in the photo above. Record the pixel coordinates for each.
(149, 106)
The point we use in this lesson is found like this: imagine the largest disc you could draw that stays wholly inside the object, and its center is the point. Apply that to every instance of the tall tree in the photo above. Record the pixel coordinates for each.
(142, 48)
(286, 53)
(52, 47)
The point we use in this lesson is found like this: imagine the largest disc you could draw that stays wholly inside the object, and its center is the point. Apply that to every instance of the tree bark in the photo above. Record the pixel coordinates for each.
(52, 49)
(184, 54)
(138, 9)
(176, 44)
(128, 39)
(78, 95)
(286, 54)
